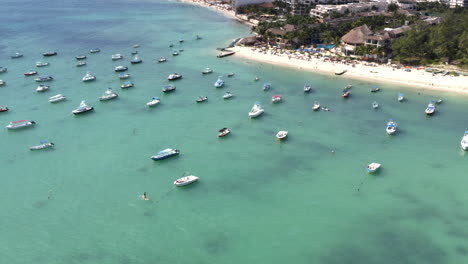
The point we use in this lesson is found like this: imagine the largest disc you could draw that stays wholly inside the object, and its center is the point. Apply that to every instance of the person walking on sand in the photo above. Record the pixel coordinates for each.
(145, 197)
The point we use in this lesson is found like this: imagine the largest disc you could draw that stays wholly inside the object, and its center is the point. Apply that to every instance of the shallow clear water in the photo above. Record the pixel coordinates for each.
(258, 200)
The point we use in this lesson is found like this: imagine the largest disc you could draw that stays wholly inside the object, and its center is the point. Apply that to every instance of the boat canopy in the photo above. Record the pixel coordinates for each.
(165, 151)
(19, 121)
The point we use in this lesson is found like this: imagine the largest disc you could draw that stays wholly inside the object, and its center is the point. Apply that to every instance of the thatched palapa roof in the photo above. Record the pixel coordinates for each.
(357, 35)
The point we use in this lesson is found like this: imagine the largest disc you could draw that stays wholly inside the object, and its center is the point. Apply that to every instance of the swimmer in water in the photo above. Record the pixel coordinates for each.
(145, 197)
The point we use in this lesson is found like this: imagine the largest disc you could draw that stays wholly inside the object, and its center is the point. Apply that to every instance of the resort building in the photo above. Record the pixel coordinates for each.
(300, 7)
(363, 36)
(455, 3)
(321, 11)
(279, 34)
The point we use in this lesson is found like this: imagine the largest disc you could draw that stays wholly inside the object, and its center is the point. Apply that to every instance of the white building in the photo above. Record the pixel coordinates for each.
(462, 3)
(321, 10)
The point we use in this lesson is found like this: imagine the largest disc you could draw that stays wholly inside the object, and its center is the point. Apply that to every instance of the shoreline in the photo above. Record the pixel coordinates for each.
(360, 71)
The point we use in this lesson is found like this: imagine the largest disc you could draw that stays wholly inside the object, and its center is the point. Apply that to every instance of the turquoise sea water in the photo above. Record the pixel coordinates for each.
(258, 200)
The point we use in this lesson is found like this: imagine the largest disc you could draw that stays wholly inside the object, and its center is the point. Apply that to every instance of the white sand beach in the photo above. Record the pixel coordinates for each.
(219, 8)
(359, 70)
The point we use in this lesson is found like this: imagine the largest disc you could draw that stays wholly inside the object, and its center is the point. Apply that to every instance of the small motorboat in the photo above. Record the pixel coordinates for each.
(3, 108)
(162, 59)
(117, 56)
(375, 105)
(135, 52)
(316, 106)
(44, 78)
(120, 68)
(276, 98)
(175, 53)
(391, 127)
(171, 45)
(219, 83)
(401, 97)
(202, 99)
(307, 88)
(17, 55)
(20, 124)
(56, 98)
(185, 180)
(30, 73)
(50, 53)
(42, 88)
(256, 110)
(324, 108)
(83, 108)
(80, 57)
(181, 40)
(174, 76)
(41, 64)
(88, 77)
(154, 101)
(207, 71)
(230, 74)
(282, 134)
(136, 46)
(136, 60)
(438, 102)
(375, 89)
(127, 85)
(223, 132)
(166, 153)
(340, 72)
(349, 86)
(227, 95)
(430, 109)
(256, 78)
(198, 37)
(2, 82)
(464, 141)
(81, 64)
(169, 88)
(3, 69)
(373, 167)
(108, 95)
(95, 50)
(346, 93)
(266, 87)
(44, 144)
(124, 75)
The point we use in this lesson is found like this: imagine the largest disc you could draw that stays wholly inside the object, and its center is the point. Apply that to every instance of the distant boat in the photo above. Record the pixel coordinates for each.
(44, 144)
(230, 74)
(95, 50)
(391, 127)
(401, 97)
(83, 108)
(185, 180)
(41, 64)
(266, 87)
(117, 56)
(3, 108)
(373, 167)
(120, 68)
(127, 85)
(42, 88)
(175, 53)
(276, 98)
(154, 101)
(228, 95)
(17, 55)
(346, 93)
(168, 88)
(282, 134)
(375, 105)
(88, 77)
(44, 78)
(2, 82)
(3, 69)
(430, 109)
(316, 106)
(50, 53)
(20, 124)
(29, 73)
(375, 89)
(166, 153)
(56, 98)
(207, 70)
(219, 83)
(136, 46)
(136, 60)
(464, 141)
(181, 40)
(307, 88)
(162, 59)
(81, 63)
(80, 57)
(174, 76)
(108, 95)
(256, 110)
(223, 132)
(349, 86)
(340, 72)
(439, 101)
(202, 99)
(198, 37)
(124, 75)
(256, 78)
(135, 52)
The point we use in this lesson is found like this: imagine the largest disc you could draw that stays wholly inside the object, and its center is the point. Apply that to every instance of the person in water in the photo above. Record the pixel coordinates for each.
(144, 196)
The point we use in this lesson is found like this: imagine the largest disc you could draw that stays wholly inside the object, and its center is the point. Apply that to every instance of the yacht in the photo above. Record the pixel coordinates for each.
(127, 85)
(3, 108)
(207, 70)
(375, 105)
(464, 141)
(41, 64)
(430, 109)
(29, 73)
(80, 57)
(117, 56)
(228, 95)
(401, 97)
(108, 95)
(168, 88)
(162, 59)
(256, 110)
(120, 68)
(83, 108)
(154, 101)
(223, 132)
(48, 54)
(219, 83)
(44, 144)
(174, 76)
(185, 180)
(88, 77)
(202, 99)
(44, 78)
(124, 75)
(42, 88)
(16, 55)
(3, 69)
(282, 134)
(81, 63)
(307, 88)
(391, 127)
(166, 153)
(316, 106)
(276, 98)
(56, 98)
(20, 124)
(95, 50)
(136, 60)
(373, 167)
(266, 87)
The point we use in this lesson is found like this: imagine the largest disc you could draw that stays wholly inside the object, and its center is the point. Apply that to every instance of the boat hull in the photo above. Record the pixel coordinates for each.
(164, 157)
(76, 112)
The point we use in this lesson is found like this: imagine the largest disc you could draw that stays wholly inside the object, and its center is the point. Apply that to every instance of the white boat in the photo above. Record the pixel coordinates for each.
(207, 70)
(375, 105)
(391, 127)
(316, 106)
(20, 124)
(88, 77)
(166, 153)
(154, 101)
(201, 99)
(124, 75)
(126, 85)
(266, 87)
(41, 64)
(227, 95)
(373, 167)
(174, 76)
(430, 109)
(81, 63)
(56, 98)
(256, 78)
(43, 145)
(42, 88)
(117, 56)
(219, 83)
(276, 98)
(108, 95)
(349, 86)
(401, 97)
(185, 180)
(464, 141)
(223, 132)
(307, 88)
(3, 69)
(95, 50)
(2, 82)
(282, 134)
(120, 68)
(256, 110)
(162, 59)
(83, 108)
